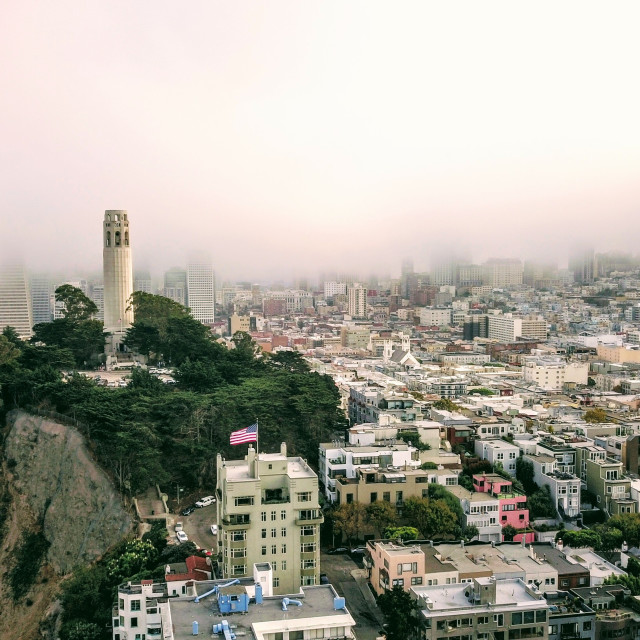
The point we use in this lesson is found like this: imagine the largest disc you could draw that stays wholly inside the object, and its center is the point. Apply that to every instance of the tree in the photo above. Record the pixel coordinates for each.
(348, 520)
(541, 504)
(291, 361)
(508, 533)
(8, 351)
(470, 532)
(578, 539)
(446, 404)
(401, 533)
(596, 415)
(135, 556)
(380, 515)
(524, 473)
(433, 518)
(76, 306)
(401, 614)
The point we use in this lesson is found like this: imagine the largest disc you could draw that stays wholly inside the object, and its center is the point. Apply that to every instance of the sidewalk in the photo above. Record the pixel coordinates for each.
(360, 576)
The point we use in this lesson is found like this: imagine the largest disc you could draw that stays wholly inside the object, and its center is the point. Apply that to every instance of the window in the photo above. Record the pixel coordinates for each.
(264, 550)
(307, 530)
(553, 629)
(274, 549)
(541, 615)
(308, 548)
(349, 498)
(274, 532)
(586, 626)
(243, 501)
(273, 515)
(308, 564)
(415, 581)
(238, 553)
(283, 565)
(284, 548)
(283, 532)
(304, 496)
(374, 496)
(239, 569)
(528, 617)
(483, 619)
(134, 622)
(264, 533)
(452, 481)
(276, 582)
(386, 496)
(283, 515)
(516, 618)
(238, 536)
(121, 603)
(263, 516)
(399, 582)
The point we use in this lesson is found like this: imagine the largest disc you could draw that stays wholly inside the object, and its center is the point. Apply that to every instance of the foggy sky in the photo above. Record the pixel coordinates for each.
(287, 137)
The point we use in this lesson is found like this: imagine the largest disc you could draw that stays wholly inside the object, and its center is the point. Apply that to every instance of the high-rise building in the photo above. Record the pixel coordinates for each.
(15, 300)
(117, 271)
(96, 293)
(41, 292)
(357, 301)
(582, 263)
(142, 282)
(443, 272)
(502, 272)
(175, 285)
(269, 512)
(201, 289)
(58, 307)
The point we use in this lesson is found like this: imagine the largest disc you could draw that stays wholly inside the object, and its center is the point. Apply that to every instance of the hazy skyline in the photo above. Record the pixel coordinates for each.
(291, 137)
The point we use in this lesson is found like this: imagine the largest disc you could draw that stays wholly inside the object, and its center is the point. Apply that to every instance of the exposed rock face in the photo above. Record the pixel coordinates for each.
(81, 512)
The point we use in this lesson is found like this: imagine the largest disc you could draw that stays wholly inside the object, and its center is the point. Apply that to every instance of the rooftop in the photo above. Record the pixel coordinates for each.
(317, 603)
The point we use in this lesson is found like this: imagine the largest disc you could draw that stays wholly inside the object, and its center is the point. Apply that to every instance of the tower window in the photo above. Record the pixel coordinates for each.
(108, 217)
(126, 238)
(117, 239)
(108, 238)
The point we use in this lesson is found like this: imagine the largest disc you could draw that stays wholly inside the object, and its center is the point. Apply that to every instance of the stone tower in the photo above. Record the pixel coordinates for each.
(118, 271)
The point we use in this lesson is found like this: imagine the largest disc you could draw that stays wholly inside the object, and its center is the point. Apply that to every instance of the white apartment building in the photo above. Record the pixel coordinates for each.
(344, 460)
(334, 288)
(432, 317)
(268, 512)
(498, 451)
(296, 300)
(505, 328)
(534, 327)
(564, 487)
(502, 273)
(15, 300)
(357, 301)
(551, 373)
(201, 289)
(481, 510)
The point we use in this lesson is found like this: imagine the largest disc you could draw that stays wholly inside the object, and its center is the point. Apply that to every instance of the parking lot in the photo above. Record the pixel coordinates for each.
(197, 526)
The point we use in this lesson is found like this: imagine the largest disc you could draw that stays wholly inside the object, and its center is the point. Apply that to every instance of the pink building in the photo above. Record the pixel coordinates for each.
(512, 505)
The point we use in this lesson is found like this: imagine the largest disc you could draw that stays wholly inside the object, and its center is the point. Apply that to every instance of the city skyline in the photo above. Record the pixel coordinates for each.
(309, 135)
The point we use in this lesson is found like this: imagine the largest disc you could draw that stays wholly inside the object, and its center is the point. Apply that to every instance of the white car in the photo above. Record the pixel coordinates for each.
(182, 536)
(178, 526)
(205, 502)
(214, 529)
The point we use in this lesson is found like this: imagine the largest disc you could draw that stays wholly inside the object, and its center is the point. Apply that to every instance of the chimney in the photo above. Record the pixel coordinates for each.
(251, 461)
(283, 449)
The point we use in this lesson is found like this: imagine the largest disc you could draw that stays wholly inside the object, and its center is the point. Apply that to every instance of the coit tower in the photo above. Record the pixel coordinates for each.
(117, 271)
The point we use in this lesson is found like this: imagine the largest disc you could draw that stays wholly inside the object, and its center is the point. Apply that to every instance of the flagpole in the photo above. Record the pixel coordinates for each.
(257, 438)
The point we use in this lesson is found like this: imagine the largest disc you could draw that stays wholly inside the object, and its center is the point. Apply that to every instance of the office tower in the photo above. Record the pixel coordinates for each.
(443, 272)
(58, 307)
(175, 285)
(117, 271)
(502, 272)
(268, 511)
(15, 300)
(334, 288)
(201, 289)
(41, 292)
(142, 282)
(582, 263)
(96, 293)
(357, 301)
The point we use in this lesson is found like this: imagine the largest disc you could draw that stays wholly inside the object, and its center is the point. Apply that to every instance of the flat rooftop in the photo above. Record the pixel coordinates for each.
(238, 470)
(317, 602)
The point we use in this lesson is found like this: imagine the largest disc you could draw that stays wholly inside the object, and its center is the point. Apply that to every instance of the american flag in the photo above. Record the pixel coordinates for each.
(248, 434)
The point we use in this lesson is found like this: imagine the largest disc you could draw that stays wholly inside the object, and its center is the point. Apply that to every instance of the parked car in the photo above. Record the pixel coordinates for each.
(205, 502)
(182, 536)
(324, 579)
(214, 529)
(178, 526)
(358, 551)
(332, 552)
(188, 511)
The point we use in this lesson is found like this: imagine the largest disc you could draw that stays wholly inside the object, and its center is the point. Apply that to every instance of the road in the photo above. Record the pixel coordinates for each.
(348, 579)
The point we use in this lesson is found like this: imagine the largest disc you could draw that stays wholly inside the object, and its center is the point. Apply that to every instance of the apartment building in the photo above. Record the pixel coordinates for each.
(149, 610)
(337, 459)
(485, 609)
(500, 273)
(498, 451)
(481, 511)
(432, 317)
(512, 505)
(606, 480)
(268, 511)
(357, 301)
(534, 327)
(564, 487)
(552, 373)
(504, 328)
(393, 486)
(366, 404)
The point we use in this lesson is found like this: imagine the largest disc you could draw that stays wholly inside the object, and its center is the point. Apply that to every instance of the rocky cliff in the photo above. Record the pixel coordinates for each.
(81, 513)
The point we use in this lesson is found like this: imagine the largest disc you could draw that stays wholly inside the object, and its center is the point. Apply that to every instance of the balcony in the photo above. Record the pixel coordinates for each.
(239, 521)
(309, 516)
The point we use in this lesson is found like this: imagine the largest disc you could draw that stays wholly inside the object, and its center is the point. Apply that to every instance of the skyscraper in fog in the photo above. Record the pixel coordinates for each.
(41, 296)
(582, 263)
(175, 286)
(15, 300)
(142, 282)
(118, 270)
(201, 289)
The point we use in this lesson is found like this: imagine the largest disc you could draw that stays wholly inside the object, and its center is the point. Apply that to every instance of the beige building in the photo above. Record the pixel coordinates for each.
(357, 301)
(268, 511)
(500, 273)
(617, 354)
(15, 300)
